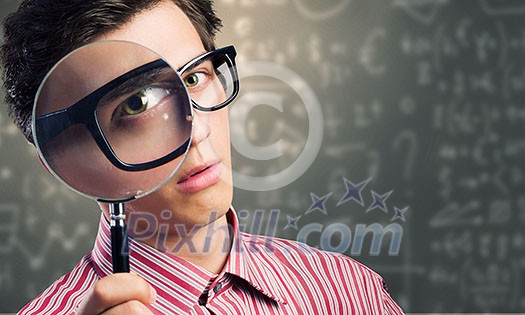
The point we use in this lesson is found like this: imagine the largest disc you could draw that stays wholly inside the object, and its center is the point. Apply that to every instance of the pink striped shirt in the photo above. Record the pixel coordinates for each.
(262, 276)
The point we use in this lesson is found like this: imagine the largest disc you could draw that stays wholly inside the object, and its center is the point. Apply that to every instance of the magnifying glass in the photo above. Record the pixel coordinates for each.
(113, 121)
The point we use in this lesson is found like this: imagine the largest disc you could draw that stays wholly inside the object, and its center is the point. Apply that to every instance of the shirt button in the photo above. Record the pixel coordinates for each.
(217, 288)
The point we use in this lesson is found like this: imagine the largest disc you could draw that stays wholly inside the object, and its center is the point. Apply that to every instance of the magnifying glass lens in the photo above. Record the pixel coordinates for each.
(145, 122)
(112, 120)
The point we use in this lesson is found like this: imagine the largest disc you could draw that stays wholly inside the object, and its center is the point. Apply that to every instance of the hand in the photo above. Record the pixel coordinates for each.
(120, 293)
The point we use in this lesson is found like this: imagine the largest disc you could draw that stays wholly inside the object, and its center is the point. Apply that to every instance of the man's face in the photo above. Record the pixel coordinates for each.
(168, 31)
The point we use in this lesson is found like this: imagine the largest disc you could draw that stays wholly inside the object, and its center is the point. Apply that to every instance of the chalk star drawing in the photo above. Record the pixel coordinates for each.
(353, 191)
(379, 201)
(292, 222)
(318, 203)
(399, 214)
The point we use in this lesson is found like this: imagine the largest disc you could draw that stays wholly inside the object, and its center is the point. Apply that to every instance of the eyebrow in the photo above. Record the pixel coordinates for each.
(204, 52)
(137, 82)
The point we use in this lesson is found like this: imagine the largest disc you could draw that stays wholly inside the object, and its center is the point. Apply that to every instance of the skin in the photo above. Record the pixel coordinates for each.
(167, 30)
(72, 80)
(163, 29)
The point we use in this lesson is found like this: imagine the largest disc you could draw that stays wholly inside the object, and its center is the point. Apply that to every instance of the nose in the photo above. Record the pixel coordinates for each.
(201, 128)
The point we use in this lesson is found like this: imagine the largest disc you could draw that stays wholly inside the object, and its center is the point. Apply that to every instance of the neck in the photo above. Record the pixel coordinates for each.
(205, 245)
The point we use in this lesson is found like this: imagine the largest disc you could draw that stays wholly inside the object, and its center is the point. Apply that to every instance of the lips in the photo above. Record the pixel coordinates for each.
(200, 177)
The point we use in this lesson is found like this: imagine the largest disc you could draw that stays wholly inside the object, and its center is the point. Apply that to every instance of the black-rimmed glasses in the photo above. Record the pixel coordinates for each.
(142, 119)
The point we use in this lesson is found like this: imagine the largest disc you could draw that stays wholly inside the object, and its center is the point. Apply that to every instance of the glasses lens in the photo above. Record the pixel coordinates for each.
(146, 116)
(112, 120)
(211, 81)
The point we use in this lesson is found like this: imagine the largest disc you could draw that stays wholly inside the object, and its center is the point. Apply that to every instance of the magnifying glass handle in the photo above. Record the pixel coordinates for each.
(119, 238)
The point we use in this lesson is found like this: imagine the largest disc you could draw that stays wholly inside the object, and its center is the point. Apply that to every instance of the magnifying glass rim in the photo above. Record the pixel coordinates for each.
(70, 116)
(52, 171)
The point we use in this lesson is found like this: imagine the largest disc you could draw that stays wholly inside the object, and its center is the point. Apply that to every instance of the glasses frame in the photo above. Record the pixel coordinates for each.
(230, 53)
(52, 124)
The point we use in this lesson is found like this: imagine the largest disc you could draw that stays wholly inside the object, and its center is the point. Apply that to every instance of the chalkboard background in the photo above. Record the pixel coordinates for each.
(422, 101)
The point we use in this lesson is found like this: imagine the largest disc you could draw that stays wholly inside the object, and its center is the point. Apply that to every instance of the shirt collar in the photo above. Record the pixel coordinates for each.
(247, 260)
(160, 269)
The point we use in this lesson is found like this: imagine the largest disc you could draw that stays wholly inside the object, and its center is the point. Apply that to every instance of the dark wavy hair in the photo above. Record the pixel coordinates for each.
(41, 32)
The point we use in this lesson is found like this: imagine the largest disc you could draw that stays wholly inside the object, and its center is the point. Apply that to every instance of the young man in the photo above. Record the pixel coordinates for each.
(234, 273)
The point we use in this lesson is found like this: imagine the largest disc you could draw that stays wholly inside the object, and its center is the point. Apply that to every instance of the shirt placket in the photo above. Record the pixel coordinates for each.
(215, 288)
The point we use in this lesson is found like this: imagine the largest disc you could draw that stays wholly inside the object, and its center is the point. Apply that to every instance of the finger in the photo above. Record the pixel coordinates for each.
(129, 308)
(114, 290)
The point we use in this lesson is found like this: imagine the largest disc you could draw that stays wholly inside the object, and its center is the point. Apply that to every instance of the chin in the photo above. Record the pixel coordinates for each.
(187, 208)
(211, 203)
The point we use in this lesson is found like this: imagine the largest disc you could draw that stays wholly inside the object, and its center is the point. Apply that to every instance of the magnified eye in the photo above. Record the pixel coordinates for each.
(193, 79)
(143, 100)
